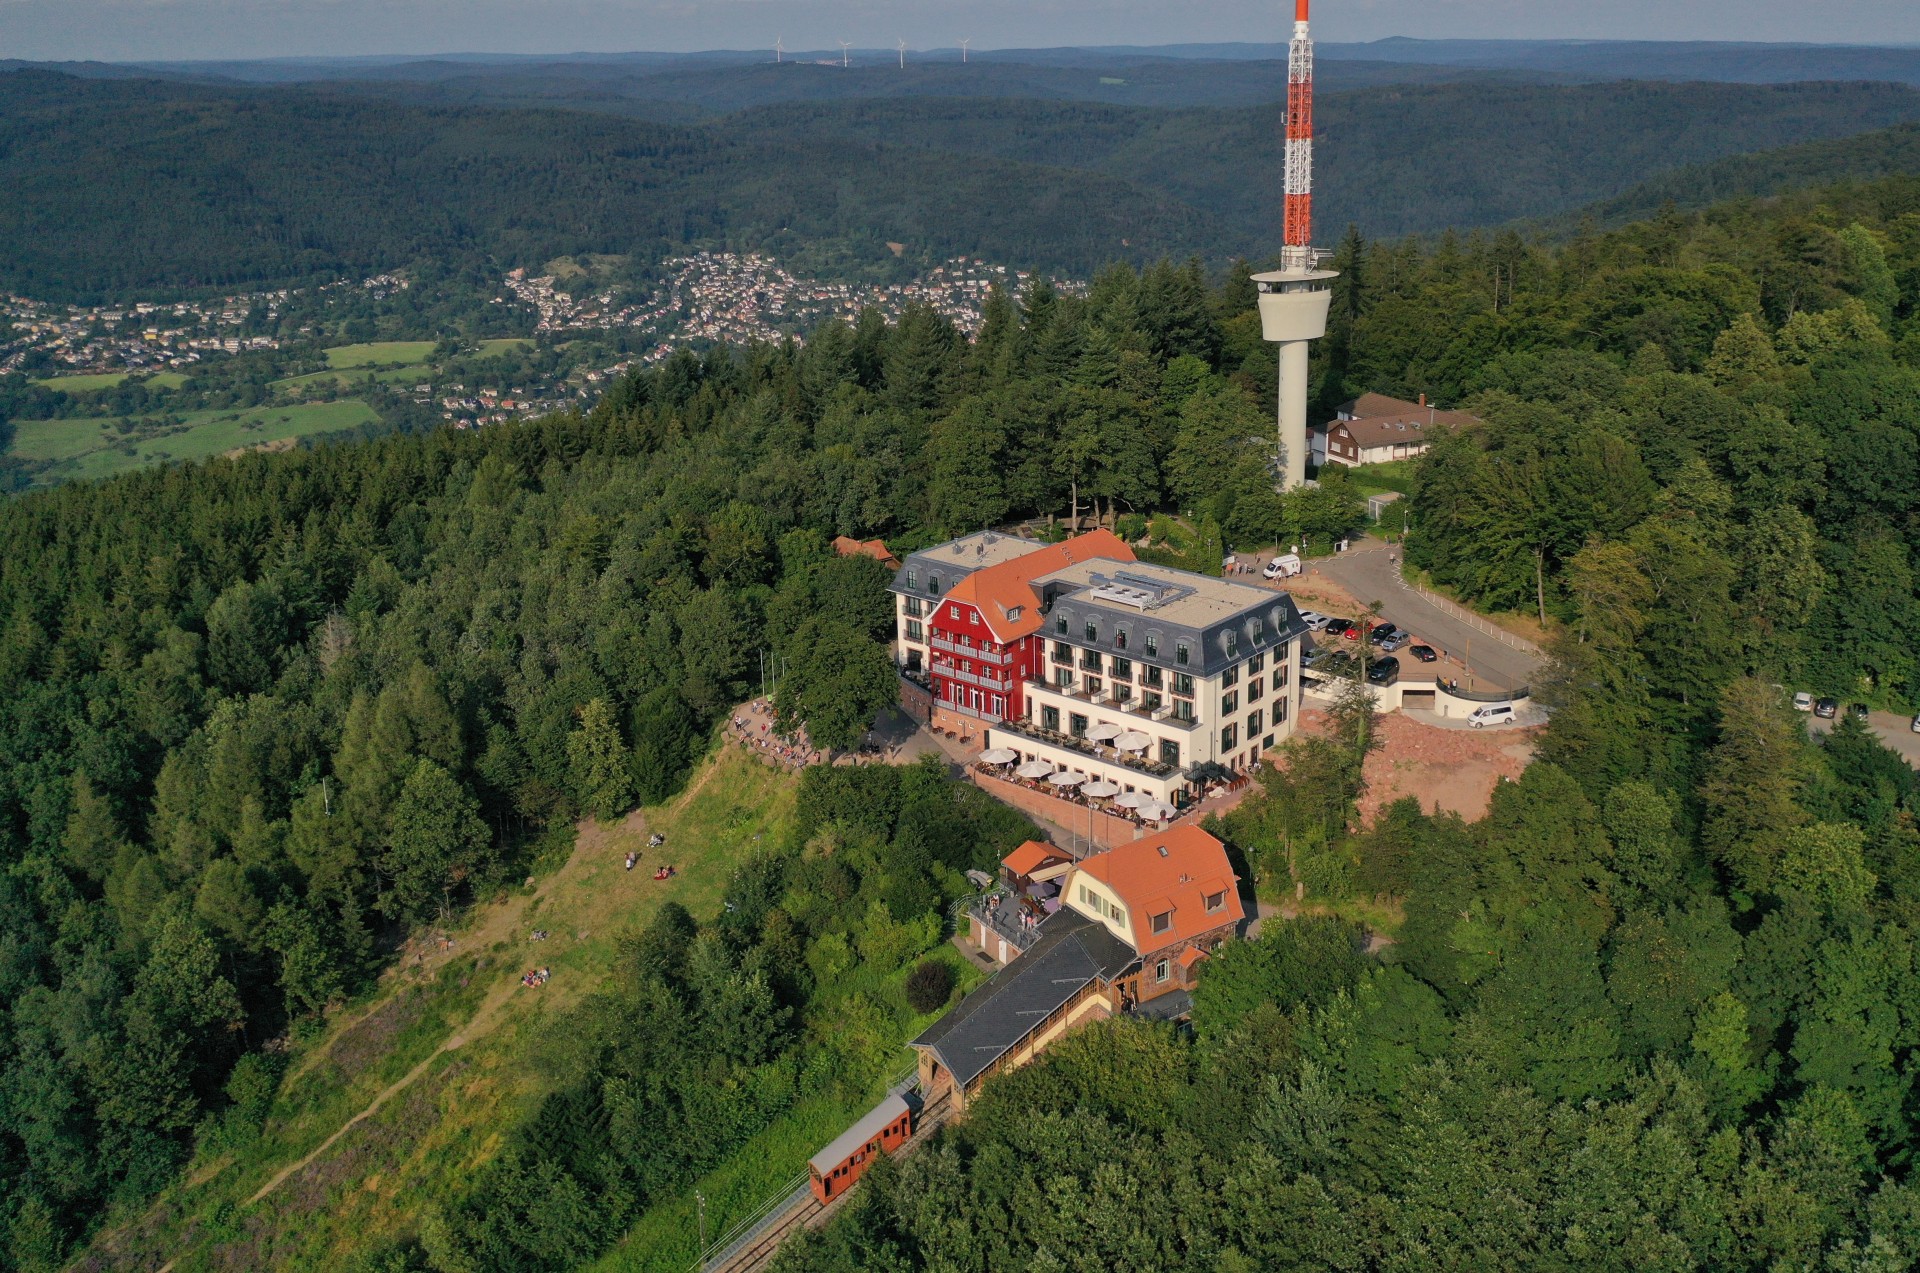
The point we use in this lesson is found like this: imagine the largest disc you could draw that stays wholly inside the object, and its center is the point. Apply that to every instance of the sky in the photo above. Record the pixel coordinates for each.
(134, 30)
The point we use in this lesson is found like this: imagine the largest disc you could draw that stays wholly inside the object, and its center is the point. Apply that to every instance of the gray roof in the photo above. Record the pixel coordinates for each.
(956, 559)
(1175, 606)
(1072, 951)
(841, 1148)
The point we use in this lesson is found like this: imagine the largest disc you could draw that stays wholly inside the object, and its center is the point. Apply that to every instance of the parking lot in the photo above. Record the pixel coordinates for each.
(1894, 730)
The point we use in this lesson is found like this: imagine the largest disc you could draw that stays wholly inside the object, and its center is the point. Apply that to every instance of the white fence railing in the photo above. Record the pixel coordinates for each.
(1455, 610)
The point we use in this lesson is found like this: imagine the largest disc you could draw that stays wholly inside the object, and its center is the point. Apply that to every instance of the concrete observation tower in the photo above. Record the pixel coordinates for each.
(1294, 299)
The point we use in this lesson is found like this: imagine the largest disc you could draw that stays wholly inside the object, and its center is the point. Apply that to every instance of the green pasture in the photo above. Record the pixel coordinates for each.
(380, 353)
(107, 380)
(89, 448)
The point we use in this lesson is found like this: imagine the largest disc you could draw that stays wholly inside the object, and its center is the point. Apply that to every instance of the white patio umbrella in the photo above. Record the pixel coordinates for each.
(1067, 778)
(1100, 790)
(1035, 769)
(1131, 799)
(1102, 731)
(999, 755)
(1132, 740)
(1154, 811)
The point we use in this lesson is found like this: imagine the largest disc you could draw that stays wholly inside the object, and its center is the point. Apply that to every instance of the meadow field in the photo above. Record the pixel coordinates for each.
(107, 380)
(92, 447)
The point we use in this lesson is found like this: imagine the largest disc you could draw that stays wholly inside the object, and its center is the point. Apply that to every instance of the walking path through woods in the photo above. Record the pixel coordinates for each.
(495, 923)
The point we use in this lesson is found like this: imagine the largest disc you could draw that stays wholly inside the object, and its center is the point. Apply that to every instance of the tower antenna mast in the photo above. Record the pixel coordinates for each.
(1297, 252)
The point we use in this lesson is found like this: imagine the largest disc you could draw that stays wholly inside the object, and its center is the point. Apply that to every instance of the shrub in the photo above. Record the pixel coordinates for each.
(928, 985)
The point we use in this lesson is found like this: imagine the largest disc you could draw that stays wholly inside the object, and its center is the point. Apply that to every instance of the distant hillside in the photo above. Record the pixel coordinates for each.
(117, 186)
(1889, 152)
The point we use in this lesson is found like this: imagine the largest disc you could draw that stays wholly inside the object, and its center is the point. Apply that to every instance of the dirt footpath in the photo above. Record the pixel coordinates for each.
(1452, 770)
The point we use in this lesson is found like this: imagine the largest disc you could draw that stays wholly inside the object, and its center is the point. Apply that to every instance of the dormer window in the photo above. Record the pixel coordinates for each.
(1216, 902)
(1153, 645)
(913, 579)
(1120, 639)
(1093, 630)
(1259, 629)
(1180, 653)
(933, 585)
(1015, 612)
(1060, 625)
(1163, 922)
(1233, 643)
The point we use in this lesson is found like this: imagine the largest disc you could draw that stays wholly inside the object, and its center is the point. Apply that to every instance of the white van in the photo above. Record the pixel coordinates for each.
(1284, 566)
(1491, 714)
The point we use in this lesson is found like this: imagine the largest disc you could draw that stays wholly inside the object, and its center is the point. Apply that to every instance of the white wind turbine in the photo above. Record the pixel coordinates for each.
(779, 47)
(903, 55)
(963, 49)
(843, 52)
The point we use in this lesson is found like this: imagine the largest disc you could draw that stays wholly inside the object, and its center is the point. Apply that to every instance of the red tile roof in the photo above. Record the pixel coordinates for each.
(998, 591)
(847, 546)
(1031, 857)
(1177, 868)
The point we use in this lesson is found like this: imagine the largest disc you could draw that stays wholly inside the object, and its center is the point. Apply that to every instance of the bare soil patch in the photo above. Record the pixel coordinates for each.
(1446, 770)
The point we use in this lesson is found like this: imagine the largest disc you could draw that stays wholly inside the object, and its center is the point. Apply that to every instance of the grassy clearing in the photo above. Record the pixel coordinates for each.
(476, 1034)
(109, 379)
(381, 353)
(494, 348)
(354, 377)
(89, 448)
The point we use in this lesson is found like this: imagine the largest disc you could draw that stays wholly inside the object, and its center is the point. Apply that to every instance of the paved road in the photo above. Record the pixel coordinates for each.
(1369, 575)
(1894, 730)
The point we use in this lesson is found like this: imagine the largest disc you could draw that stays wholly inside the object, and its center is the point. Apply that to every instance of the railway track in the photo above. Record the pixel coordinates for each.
(758, 1248)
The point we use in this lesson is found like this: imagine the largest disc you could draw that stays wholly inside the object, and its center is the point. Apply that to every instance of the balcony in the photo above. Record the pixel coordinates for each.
(1134, 707)
(1000, 912)
(1004, 686)
(1093, 751)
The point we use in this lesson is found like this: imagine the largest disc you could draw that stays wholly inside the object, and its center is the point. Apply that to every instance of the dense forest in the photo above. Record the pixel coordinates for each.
(1656, 1009)
(182, 196)
(268, 713)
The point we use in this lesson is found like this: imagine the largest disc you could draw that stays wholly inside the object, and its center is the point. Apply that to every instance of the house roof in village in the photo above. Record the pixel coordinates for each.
(1004, 595)
(1072, 951)
(1382, 421)
(1031, 856)
(1172, 872)
(848, 546)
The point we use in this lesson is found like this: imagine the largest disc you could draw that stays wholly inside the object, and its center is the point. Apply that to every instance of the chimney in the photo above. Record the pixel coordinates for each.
(1423, 399)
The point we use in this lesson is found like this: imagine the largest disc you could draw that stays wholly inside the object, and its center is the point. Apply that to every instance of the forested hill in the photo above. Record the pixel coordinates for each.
(265, 714)
(1870, 156)
(198, 186)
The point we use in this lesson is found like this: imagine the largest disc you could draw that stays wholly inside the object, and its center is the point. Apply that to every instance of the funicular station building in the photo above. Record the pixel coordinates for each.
(1121, 931)
(1081, 656)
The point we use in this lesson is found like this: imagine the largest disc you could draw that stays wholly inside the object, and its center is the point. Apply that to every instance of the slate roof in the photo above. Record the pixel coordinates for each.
(1072, 951)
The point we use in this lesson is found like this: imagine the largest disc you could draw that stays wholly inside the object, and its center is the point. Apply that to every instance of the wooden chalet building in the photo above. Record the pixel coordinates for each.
(1126, 931)
(1374, 429)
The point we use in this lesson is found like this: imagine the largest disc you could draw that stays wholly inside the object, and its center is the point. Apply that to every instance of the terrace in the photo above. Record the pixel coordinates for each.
(1091, 750)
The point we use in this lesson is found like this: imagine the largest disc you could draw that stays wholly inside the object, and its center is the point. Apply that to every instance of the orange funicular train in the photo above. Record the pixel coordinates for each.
(835, 1169)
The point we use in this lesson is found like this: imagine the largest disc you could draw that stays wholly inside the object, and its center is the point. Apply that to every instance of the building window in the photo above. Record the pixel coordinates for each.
(1119, 638)
(1153, 644)
(1183, 710)
(913, 579)
(1123, 693)
(1279, 710)
(913, 630)
(1093, 630)
(913, 607)
(1150, 701)
(933, 585)
(1122, 669)
(1229, 738)
(1014, 613)
(1182, 683)
(1282, 675)
(1060, 625)
(1151, 676)
(1259, 629)
(1077, 725)
(1063, 677)
(1160, 970)
(1233, 643)
(1062, 652)
(1253, 725)
(1169, 752)
(1050, 718)
(1256, 663)
(1216, 902)
(1163, 921)
(1093, 687)
(1180, 653)
(953, 612)
(1230, 702)
(1230, 678)
(1090, 660)
(1119, 916)
(1255, 688)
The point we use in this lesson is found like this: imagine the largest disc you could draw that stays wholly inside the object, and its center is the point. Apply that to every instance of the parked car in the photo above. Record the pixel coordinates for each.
(1915, 726)
(1384, 671)
(1803, 702)
(1425, 653)
(1313, 619)
(1382, 630)
(1334, 626)
(1491, 714)
(1283, 567)
(1826, 708)
(1859, 712)
(1394, 641)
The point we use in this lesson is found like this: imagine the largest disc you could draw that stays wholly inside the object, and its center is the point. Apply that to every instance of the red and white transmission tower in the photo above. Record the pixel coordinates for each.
(1294, 299)
(1297, 253)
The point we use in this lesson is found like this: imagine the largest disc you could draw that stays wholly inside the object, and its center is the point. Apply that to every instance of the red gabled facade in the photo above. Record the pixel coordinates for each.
(985, 633)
